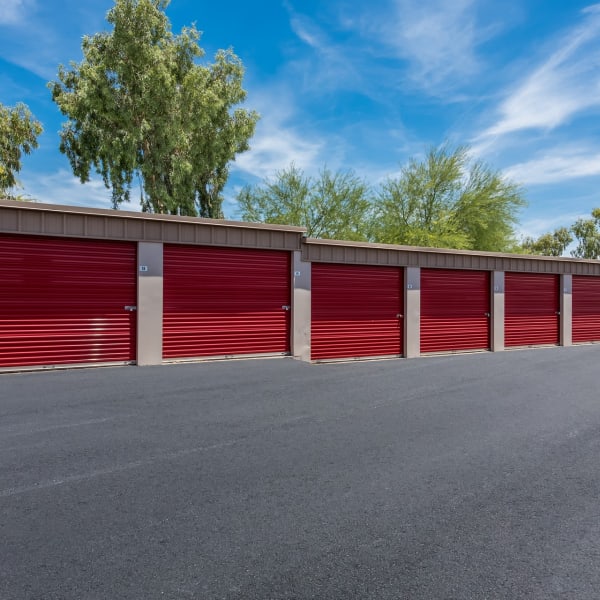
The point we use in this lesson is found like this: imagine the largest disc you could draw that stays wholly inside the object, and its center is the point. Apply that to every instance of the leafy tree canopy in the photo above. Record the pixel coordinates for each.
(587, 236)
(549, 244)
(139, 106)
(585, 232)
(446, 200)
(18, 135)
(331, 205)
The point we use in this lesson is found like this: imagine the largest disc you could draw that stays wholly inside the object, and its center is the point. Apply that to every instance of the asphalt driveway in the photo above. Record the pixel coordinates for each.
(456, 477)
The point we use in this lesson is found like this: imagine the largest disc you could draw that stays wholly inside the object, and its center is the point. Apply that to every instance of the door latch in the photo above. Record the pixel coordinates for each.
(130, 308)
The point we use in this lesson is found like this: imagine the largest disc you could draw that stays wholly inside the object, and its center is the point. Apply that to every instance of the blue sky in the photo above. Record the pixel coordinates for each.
(360, 85)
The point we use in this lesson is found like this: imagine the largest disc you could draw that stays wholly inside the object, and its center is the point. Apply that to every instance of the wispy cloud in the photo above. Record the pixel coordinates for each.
(438, 38)
(14, 11)
(277, 142)
(38, 37)
(307, 31)
(560, 164)
(435, 41)
(565, 84)
(61, 187)
(325, 67)
(392, 46)
(275, 147)
(538, 226)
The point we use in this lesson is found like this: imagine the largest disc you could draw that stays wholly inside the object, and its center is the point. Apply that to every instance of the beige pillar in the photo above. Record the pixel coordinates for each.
(497, 312)
(301, 314)
(150, 303)
(412, 312)
(566, 310)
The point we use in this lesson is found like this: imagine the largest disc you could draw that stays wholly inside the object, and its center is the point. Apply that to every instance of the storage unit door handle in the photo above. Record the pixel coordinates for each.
(130, 308)
(286, 307)
(487, 315)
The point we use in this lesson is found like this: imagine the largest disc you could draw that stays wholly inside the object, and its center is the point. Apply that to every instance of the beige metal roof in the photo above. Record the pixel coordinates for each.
(33, 218)
(430, 250)
(107, 212)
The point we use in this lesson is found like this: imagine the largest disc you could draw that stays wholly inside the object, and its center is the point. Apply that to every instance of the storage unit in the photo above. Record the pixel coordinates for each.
(586, 308)
(66, 301)
(532, 309)
(455, 310)
(225, 301)
(356, 311)
(82, 285)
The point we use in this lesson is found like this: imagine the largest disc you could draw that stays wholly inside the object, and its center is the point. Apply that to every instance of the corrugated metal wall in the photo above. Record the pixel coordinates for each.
(364, 253)
(586, 309)
(63, 301)
(532, 315)
(31, 218)
(455, 310)
(225, 284)
(356, 311)
(224, 301)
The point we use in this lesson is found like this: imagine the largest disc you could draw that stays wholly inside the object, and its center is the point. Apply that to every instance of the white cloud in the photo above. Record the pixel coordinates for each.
(62, 187)
(561, 164)
(277, 143)
(565, 84)
(13, 12)
(275, 147)
(436, 40)
(326, 65)
(43, 37)
(540, 225)
(437, 37)
(431, 44)
(306, 31)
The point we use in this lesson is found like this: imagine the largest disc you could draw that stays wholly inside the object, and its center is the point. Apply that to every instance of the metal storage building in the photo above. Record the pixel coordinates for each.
(82, 286)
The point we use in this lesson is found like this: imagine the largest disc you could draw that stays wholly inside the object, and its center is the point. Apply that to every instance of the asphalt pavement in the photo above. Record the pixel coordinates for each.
(454, 477)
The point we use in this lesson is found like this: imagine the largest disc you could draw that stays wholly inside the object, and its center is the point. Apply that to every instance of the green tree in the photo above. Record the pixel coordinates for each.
(549, 244)
(18, 135)
(139, 106)
(587, 236)
(332, 205)
(448, 201)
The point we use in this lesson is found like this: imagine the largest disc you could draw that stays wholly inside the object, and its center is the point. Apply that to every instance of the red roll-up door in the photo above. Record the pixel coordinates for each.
(586, 308)
(455, 309)
(356, 311)
(531, 309)
(225, 301)
(62, 301)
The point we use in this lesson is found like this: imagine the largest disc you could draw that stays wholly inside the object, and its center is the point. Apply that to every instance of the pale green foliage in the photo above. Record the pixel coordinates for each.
(586, 232)
(549, 244)
(418, 207)
(487, 210)
(587, 235)
(331, 205)
(447, 201)
(139, 106)
(18, 135)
